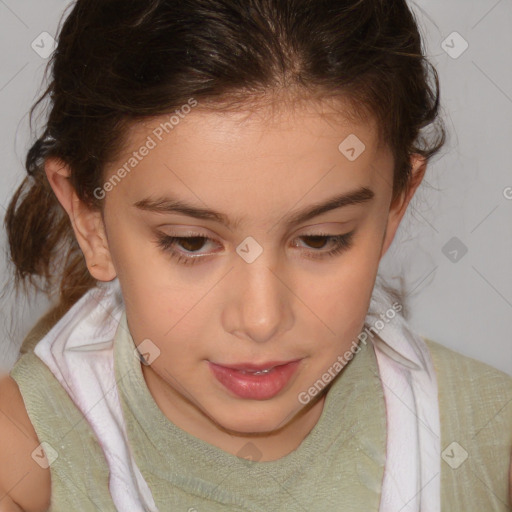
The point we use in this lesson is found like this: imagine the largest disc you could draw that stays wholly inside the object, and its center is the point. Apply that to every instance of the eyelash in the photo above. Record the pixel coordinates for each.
(342, 243)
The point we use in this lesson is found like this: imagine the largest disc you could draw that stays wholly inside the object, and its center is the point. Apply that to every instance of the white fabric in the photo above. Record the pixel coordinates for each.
(412, 477)
(79, 352)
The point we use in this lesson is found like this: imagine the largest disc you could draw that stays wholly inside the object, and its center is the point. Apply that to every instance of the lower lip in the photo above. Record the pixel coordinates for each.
(255, 387)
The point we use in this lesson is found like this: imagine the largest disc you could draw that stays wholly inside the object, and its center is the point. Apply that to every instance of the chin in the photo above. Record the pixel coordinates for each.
(255, 422)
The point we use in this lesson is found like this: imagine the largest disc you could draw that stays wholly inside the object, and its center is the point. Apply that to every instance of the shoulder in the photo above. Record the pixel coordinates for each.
(473, 376)
(78, 473)
(473, 393)
(26, 483)
(475, 408)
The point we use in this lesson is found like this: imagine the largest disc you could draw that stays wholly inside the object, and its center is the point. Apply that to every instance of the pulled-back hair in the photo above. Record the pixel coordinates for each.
(118, 62)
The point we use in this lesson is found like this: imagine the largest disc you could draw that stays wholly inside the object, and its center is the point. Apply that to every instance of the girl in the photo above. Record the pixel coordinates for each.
(214, 189)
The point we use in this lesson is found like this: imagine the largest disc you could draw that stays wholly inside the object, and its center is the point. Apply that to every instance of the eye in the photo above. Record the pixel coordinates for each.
(189, 243)
(192, 244)
(339, 244)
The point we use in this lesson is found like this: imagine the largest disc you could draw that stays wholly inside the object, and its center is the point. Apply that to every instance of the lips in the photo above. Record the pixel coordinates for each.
(256, 382)
(252, 368)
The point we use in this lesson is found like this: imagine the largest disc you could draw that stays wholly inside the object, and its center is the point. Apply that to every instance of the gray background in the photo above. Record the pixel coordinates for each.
(465, 302)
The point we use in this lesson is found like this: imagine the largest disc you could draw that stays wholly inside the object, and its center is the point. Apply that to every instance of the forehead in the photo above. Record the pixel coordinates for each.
(269, 121)
(274, 150)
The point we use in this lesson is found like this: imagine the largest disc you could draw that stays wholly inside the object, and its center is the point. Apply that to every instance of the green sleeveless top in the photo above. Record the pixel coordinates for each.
(338, 466)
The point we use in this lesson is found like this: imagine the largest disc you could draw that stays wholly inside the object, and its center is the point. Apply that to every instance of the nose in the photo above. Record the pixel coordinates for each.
(259, 301)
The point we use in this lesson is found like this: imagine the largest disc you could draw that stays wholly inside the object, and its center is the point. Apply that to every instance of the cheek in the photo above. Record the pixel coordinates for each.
(129, 247)
(342, 307)
(345, 287)
(341, 310)
(143, 268)
(167, 319)
(340, 300)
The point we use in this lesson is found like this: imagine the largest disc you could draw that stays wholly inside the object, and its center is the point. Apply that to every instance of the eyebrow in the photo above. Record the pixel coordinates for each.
(172, 205)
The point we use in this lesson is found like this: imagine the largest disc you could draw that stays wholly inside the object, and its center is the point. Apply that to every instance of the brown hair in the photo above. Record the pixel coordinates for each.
(118, 62)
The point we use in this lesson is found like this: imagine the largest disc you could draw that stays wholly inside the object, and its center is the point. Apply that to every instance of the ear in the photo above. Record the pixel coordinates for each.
(87, 223)
(399, 205)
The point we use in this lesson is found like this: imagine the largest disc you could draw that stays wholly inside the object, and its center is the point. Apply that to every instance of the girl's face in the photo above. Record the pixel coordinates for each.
(278, 270)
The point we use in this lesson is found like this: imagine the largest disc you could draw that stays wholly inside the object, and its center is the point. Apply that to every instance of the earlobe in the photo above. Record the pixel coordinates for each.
(87, 223)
